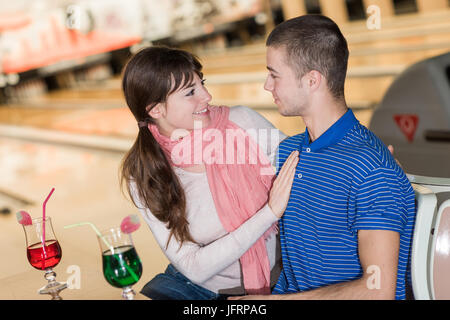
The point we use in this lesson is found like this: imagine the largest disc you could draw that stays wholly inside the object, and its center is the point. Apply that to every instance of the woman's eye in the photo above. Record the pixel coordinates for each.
(203, 82)
(191, 93)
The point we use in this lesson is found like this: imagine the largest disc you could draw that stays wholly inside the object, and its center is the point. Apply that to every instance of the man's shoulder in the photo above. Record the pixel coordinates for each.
(366, 147)
(372, 158)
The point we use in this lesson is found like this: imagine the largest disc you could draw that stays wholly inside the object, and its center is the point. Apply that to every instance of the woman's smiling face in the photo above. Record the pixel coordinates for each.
(183, 107)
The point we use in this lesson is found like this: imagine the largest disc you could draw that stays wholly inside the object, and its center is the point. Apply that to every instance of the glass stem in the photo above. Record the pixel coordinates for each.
(50, 275)
(53, 287)
(128, 293)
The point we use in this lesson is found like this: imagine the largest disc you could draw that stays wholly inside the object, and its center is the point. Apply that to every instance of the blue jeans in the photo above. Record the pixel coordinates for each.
(173, 285)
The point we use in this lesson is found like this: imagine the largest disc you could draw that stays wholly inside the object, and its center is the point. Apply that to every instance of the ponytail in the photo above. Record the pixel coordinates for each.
(157, 185)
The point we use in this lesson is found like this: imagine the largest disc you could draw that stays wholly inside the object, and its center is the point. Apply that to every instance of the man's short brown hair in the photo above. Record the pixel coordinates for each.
(314, 42)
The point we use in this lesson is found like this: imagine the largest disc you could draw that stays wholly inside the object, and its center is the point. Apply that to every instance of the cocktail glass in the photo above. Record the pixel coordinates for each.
(122, 266)
(44, 256)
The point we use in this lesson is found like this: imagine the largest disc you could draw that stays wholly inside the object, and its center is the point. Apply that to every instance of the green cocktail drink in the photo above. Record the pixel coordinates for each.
(121, 266)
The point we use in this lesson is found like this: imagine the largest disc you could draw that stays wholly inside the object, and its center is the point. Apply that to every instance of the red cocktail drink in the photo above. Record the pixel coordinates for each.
(43, 258)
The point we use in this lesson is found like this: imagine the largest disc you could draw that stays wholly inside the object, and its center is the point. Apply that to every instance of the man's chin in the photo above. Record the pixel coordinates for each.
(286, 113)
(282, 110)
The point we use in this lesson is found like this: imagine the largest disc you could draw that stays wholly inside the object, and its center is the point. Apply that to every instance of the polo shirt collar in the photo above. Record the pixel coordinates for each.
(333, 134)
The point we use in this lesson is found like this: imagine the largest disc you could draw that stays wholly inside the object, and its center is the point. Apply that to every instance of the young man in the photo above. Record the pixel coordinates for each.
(347, 229)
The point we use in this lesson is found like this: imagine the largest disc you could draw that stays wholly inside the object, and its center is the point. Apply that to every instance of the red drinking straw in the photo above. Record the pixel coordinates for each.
(43, 218)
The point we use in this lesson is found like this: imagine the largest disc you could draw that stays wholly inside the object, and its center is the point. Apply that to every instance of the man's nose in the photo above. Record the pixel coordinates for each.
(268, 84)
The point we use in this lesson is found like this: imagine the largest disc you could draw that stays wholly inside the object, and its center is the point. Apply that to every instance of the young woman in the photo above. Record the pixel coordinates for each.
(202, 180)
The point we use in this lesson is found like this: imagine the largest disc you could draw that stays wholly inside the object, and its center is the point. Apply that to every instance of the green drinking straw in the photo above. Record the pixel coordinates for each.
(135, 277)
(92, 226)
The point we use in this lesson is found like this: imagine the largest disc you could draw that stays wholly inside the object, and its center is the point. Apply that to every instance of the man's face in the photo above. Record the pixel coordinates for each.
(287, 91)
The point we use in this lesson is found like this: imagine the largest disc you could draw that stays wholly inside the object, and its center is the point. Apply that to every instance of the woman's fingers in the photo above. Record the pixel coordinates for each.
(287, 167)
(391, 150)
(281, 189)
(286, 175)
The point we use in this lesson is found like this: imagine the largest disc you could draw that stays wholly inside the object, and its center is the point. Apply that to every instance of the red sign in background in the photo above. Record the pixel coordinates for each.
(407, 124)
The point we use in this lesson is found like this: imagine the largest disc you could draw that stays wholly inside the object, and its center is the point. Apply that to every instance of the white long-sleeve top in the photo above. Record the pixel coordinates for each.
(213, 263)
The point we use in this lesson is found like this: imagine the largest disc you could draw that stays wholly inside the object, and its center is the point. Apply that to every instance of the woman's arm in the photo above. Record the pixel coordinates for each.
(199, 263)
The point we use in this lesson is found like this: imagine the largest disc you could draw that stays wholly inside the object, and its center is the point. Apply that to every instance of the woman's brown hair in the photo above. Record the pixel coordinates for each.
(149, 78)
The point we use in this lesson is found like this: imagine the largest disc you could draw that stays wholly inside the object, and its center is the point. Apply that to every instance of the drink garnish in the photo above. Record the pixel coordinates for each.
(130, 224)
(24, 218)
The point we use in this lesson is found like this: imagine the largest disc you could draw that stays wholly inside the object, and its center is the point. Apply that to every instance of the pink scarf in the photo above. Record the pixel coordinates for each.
(238, 188)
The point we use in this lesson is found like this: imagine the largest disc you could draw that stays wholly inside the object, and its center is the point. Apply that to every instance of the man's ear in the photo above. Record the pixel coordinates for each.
(314, 79)
(157, 111)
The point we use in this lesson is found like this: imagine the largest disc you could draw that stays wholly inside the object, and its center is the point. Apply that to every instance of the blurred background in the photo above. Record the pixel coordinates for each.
(64, 122)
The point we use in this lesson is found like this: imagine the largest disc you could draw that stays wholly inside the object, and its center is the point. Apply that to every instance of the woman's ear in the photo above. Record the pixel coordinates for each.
(157, 111)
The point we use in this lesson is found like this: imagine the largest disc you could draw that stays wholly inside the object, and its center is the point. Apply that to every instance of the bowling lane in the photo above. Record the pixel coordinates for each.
(86, 189)
(114, 122)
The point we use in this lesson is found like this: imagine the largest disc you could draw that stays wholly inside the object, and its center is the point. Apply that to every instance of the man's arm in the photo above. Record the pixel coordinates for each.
(378, 254)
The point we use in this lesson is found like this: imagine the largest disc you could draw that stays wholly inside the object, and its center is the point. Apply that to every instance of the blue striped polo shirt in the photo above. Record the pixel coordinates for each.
(345, 181)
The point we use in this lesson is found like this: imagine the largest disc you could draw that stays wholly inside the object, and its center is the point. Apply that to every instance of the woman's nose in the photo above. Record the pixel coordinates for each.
(206, 95)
